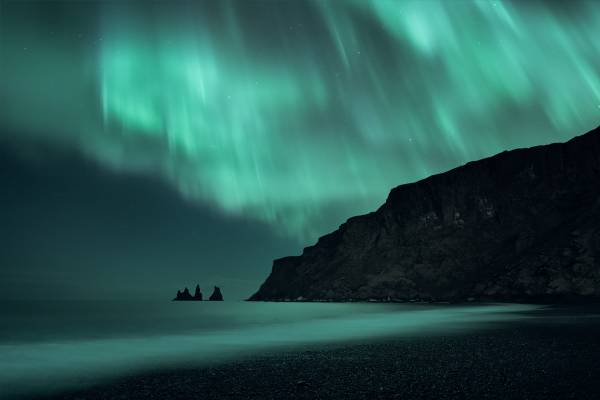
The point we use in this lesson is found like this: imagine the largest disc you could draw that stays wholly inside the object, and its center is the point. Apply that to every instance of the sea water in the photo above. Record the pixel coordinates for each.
(46, 347)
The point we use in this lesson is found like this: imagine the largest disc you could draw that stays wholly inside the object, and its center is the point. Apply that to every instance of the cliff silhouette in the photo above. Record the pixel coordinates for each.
(523, 225)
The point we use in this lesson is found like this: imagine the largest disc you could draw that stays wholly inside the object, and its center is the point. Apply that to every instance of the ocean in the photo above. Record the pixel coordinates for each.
(49, 347)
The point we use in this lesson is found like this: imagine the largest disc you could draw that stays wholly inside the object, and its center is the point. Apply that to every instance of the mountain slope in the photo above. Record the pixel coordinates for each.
(521, 225)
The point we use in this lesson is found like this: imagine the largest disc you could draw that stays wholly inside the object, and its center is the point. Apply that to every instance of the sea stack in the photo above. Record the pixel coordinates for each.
(198, 294)
(186, 296)
(216, 296)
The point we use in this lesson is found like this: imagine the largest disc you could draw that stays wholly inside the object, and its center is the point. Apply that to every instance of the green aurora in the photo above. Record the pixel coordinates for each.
(296, 114)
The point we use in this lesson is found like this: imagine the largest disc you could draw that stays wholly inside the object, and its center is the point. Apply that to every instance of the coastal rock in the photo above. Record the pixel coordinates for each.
(522, 225)
(198, 293)
(216, 295)
(186, 296)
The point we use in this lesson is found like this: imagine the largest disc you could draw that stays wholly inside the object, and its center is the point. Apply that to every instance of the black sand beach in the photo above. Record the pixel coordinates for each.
(558, 359)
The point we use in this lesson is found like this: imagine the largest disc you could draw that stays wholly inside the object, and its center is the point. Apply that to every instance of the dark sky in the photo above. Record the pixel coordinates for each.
(150, 145)
(71, 229)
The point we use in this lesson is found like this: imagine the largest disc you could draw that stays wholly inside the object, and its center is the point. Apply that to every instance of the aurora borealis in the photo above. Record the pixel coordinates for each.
(295, 114)
(286, 110)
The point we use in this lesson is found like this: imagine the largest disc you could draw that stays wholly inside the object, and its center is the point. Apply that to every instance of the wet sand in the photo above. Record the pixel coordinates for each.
(559, 360)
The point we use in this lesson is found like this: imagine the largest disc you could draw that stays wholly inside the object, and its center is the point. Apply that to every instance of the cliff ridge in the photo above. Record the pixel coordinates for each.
(518, 226)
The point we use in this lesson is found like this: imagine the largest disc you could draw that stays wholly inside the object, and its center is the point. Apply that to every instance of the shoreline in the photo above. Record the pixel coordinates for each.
(542, 301)
(534, 361)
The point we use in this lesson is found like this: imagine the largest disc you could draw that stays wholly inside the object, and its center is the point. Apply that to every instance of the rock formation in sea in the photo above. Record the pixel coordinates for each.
(523, 225)
(186, 296)
(198, 293)
(216, 295)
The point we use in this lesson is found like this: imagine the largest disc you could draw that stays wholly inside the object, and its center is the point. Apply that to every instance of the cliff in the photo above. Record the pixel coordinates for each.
(521, 225)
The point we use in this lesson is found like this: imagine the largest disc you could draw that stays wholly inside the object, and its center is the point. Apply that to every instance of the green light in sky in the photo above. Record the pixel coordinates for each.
(300, 114)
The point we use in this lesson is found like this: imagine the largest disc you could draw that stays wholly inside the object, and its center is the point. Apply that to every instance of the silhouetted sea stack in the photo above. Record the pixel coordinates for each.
(186, 296)
(523, 225)
(216, 296)
(197, 293)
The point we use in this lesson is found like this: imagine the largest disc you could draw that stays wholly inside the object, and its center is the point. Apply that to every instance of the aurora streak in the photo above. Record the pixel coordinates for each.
(299, 114)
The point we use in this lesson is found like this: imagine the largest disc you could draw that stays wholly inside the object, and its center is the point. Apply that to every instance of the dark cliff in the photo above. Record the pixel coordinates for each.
(521, 225)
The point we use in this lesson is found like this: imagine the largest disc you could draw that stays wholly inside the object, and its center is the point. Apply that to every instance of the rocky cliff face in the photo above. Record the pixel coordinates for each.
(521, 225)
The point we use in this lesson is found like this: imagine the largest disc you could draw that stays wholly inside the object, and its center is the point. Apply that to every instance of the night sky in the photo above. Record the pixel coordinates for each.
(151, 145)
